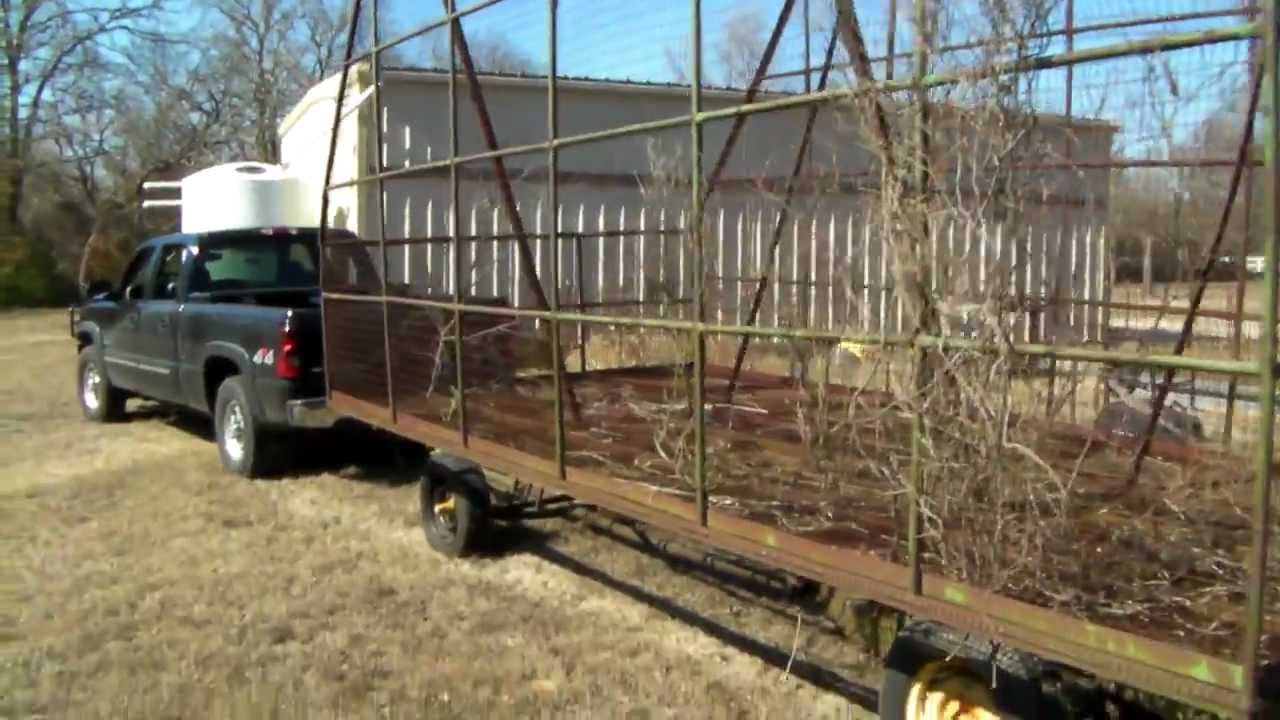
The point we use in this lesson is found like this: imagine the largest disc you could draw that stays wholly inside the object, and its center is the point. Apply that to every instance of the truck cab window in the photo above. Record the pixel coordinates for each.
(249, 263)
(135, 274)
(166, 286)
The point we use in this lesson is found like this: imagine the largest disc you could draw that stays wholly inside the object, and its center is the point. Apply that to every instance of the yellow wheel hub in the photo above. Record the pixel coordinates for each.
(945, 691)
(446, 505)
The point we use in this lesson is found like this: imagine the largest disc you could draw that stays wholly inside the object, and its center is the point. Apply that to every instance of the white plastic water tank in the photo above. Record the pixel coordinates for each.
(243, 195)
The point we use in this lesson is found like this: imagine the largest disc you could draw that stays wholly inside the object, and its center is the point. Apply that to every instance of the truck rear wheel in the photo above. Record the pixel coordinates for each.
(99, 400)
(453, 514)
(245, 448)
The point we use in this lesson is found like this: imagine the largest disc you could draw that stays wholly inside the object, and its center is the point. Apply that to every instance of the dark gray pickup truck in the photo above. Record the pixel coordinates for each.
(227, 324)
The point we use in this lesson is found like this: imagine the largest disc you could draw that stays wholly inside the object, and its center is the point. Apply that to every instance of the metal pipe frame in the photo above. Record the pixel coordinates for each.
(1237, 327)
(1045, 62)
(738, 122)
(460, 393)
(1206, 269)
(699, 399)
(380, 163)
(762, 282)
(923, 378)
(1060, 32)
(1198, 679)
(1257, 588)
(553, 199)
(352, 27)
(450, 16)
(1082, 354)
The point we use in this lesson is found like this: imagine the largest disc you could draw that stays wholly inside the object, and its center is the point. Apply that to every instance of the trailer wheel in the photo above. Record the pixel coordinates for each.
(927, 677)
(453, 515)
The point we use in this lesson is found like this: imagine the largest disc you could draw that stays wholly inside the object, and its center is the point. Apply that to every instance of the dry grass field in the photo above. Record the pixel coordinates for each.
(140, 580)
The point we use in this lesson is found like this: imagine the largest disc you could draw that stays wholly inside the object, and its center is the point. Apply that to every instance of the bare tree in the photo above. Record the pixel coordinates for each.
(490, 53)
(46, 44)
(272, 51)
(741, 46)
(677, 60)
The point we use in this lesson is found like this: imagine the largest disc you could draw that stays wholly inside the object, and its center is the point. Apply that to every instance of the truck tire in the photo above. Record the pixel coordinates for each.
(100, 401)
(453, 513)
(245, 448)
(929, 668)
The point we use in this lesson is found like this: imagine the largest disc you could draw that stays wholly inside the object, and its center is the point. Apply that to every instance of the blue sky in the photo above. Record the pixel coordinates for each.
(1150, 98)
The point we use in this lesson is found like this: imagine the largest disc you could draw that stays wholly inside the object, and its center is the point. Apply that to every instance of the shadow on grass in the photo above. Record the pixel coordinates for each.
(522, 538)
(188, 421)
(351, 450)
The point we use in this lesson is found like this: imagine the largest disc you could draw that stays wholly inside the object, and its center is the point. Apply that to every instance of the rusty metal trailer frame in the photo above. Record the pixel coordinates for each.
(1192, 677)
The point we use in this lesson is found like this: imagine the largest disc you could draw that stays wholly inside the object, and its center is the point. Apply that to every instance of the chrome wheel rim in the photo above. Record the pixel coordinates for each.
(233, 432)
(90, 387)
(444, 511)
(940, 692)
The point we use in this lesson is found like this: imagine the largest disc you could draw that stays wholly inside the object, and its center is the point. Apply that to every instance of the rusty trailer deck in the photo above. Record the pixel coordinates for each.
(778, 506)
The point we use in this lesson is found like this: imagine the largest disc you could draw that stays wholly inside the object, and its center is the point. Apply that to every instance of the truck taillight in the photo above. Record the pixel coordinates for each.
(289, 356)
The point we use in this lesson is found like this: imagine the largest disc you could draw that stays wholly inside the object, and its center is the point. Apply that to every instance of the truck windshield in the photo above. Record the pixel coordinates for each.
(255, 262)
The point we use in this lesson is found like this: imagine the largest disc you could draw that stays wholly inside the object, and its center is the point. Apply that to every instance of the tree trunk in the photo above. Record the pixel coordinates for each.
(15, 177)
(13, 169)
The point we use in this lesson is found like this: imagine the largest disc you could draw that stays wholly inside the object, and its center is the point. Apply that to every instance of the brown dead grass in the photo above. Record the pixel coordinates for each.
(141, 580)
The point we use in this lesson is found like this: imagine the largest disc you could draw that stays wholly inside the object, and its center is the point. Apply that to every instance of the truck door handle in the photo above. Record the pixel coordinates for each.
(164, 323)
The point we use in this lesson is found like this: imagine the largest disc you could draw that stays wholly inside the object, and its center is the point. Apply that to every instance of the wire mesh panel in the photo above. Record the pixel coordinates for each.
(943, 301)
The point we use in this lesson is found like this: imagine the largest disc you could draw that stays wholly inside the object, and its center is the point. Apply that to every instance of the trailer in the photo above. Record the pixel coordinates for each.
(852, 321)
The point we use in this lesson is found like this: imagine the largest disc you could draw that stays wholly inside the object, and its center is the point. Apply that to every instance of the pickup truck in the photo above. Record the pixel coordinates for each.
(226, 324)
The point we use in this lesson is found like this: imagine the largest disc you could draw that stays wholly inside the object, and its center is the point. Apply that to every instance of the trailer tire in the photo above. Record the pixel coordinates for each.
(928, 664)
(453, 513)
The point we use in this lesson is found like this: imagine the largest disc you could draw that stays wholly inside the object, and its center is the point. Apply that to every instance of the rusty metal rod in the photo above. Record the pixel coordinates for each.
(1206, 269)
(553, 200)
(582, 338)
(925, 321)
(380, 164)
(464, 431)
(425, 28)
(1132, 164)
(752, 90)
(1237, 327)
(1177, 362)
(1257, 588)
(1041, 62)
(763, 281)
(696, 198)
(528, 265)
(1171, 670)
(850, 29)
(1044, 35)
(352, 27)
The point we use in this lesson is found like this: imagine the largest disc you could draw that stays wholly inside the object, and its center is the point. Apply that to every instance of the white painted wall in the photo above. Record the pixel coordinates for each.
(635, 183)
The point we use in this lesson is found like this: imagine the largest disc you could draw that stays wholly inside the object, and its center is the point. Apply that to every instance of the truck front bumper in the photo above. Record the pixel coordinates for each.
(309, 413)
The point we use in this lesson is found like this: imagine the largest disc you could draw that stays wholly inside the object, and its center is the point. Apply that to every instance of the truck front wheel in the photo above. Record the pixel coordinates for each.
(99, 400)
(245, 448)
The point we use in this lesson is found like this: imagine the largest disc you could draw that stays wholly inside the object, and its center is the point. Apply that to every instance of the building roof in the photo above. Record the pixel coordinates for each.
(431, 74)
